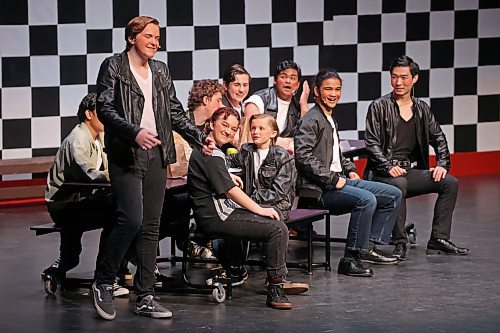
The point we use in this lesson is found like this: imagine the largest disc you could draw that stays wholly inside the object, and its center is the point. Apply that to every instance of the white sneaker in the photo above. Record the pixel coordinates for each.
(119, 290)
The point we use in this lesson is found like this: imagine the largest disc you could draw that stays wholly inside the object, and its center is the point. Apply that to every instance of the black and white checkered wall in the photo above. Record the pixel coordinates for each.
(51, 50)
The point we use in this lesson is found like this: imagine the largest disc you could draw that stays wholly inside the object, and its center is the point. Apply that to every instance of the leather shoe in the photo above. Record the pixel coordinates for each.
(400, 251)
(352, 267)
(375, 257)
(444, 246)
(291, 288)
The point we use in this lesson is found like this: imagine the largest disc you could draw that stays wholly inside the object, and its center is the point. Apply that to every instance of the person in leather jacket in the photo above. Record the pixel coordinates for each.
(137, 103)
(399, 130)
(330, 181)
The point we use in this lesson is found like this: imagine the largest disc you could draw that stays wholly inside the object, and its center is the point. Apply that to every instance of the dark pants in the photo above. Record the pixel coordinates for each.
(244, 225)
(94, 212)
(417, 182)
(139, 192)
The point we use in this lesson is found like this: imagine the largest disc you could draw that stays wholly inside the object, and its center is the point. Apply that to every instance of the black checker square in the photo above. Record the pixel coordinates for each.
(437, 5)
(369, 28)
(45, 101)
(73, 69)
(43, 152)
(124, 11)
(310, 33)
(43, 39)
(442, 53)
(465, 138)
(67, 124)
(466, 24)
(341, 57)
(206, 38)
(181, 65)
(417, 26)
(16, 133)
(232, 12)
(484, 4)
(466, 81)
(346, 117)
(442, 108)
(13, 12)
(258, 84)
(258, 35)
(369, 86)
(100, 41)
(283, 11)
(339, 7)
(489, 51)
(488, 108)
(421, 88)
(16, 71)
(277, 55)
(390, 51)
(229, 57)
(393, 6)
(70, 11)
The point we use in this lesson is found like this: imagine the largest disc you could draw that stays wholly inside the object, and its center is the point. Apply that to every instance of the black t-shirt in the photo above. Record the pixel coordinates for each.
(208, 180)
(406, 139)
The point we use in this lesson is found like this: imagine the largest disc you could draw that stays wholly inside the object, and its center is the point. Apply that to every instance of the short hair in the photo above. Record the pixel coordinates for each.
(135, 26)
(405, 61)
(325, 74)
(286, 64)
(233, 70)
(270, 121)
(87, 103)
(201, 89)
(223, 112)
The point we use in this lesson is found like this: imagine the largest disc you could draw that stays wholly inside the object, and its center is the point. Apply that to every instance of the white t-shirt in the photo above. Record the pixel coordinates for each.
(335, 166)
(258, 157)
(282, 109)
(99, 155)
(146, 85)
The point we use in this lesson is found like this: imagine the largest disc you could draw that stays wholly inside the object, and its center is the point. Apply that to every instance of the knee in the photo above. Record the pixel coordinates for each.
(450, 183)
(401, 184)
(368, 200)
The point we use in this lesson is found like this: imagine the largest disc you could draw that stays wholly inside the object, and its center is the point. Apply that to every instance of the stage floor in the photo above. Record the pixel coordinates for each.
(423, 294)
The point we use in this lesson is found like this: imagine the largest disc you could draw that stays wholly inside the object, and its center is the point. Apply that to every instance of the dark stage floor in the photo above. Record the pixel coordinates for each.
(424, 294)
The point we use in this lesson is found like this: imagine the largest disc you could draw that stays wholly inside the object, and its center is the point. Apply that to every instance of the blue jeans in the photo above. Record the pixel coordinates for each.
(374, 208)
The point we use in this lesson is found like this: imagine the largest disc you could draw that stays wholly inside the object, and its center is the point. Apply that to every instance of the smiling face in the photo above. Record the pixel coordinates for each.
(224, 130)
(328, 94)
(237, 90)
(287, 82)
(262, 132)
(402, 81)
(147, 42)
(213, 103)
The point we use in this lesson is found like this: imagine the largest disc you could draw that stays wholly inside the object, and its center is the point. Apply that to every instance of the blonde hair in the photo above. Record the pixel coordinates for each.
(270, 121)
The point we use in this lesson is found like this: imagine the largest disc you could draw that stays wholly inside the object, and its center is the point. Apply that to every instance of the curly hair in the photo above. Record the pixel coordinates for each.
(222, 112)
(201, 89)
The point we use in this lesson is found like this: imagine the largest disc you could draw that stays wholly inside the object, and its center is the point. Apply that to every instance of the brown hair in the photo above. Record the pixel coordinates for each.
(201, 89)
(233, 70)
(270, 121)
(136, 25)
(222, 112)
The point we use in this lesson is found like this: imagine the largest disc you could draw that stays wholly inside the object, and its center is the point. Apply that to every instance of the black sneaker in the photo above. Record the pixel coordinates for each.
(238, 276)
(148, 306)
(276, 298)
(102, 295)
(400, 251)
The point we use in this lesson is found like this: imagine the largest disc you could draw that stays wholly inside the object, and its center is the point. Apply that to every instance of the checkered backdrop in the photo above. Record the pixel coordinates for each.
(51, 50)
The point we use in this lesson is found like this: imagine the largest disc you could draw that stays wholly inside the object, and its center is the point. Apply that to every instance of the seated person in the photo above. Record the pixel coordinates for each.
(214, 196)
(329, 180)
(236, 80)
(205, 96)
(80, 159)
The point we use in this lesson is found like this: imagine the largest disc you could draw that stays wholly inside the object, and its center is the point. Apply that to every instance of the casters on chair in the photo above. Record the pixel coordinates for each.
(50, 280)
(218, 293)
(411, 231)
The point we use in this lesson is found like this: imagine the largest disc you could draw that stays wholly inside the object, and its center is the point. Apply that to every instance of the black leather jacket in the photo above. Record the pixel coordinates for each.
(119, 107)
(270, 99)
(380, 136)
(275, 185)
(314, 154)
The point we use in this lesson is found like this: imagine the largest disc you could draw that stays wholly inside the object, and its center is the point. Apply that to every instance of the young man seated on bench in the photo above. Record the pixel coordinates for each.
(80, 159)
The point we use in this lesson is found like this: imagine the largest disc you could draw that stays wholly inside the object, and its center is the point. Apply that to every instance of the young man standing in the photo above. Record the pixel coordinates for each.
(399, 130)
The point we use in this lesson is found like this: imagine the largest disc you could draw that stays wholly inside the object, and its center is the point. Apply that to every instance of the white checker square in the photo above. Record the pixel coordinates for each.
(71, 39)
(385, 82)
(206, 64)
(99, 14)
(45, 132)
(415, 6)
(258, 11)
(161, 56)
(348, 135)
(420, 51)
(310, 10)
(284, 34)
(257, 61)
(16, 153)
(154, 8)
(15, 41)
(369, 57)
(308, 58)
(465, 110)
(342, 30)
(369, 7)
(393, 27)
(488, 80)
(442, 25)
(488, 23)
(42, 12)
(94, 62)
(449, 133)
(16, 103)
(182, 88)
(488, 136)
(1, 136)
(466, 52)
(70, 97)
(44, 71)
(441, 82)
(206, 12)
(180, 38)
(361, 111)
(349, 87)
(118, 37)
(466, 4)
(232, 36)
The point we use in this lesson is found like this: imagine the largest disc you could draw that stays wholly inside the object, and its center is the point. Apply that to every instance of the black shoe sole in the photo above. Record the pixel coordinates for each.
(432, 251)
(356, 274)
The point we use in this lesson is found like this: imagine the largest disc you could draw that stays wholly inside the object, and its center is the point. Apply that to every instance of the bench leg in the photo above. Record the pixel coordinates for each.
(328, 266)
(309, 249)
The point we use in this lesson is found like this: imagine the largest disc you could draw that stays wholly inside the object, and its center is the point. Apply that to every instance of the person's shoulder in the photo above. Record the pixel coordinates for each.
(313, 113)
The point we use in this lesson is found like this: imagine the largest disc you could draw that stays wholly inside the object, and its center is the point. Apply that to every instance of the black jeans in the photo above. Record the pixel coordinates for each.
(417, 182)
(244, 225)
(94, 212)
(139, 192)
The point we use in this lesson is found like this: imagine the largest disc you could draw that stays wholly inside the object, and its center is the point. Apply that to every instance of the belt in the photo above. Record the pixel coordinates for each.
(405, 164)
